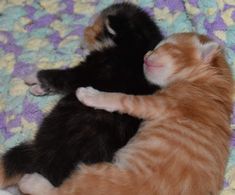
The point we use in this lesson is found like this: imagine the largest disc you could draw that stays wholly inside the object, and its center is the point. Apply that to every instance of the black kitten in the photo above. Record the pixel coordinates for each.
(73, 133)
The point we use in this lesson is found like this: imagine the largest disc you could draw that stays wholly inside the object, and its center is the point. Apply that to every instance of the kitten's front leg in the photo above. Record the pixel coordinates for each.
(137, 106)
(36, 184)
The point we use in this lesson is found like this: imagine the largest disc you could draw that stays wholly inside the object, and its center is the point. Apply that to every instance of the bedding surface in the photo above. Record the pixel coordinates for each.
(43, 34)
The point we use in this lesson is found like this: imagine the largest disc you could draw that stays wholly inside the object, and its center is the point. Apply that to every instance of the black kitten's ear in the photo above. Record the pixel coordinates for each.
(108, 26)
(115, 24)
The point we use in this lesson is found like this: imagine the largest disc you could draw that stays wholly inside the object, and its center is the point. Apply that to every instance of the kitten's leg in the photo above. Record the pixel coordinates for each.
(143, 106)
(68, 80)
(61, 81)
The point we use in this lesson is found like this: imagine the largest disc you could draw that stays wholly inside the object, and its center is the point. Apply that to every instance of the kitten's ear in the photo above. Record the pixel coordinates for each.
(109, 28)
(208, 50)
(115, 24)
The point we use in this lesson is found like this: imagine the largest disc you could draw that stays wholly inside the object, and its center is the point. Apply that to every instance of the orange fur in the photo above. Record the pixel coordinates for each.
(91, 33)
(182, 146)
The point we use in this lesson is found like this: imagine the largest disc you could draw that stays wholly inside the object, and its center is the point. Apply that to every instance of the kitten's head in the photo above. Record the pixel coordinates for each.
(183, 56)
(121, 23)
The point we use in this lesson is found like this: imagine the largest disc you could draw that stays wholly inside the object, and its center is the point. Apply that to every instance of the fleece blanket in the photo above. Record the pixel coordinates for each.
(41, 34)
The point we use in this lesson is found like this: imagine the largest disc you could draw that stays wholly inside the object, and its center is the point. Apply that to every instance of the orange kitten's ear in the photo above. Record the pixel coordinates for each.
(208, 50)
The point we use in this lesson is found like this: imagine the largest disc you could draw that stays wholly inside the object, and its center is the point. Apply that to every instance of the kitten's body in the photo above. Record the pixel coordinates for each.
(73, 133)
(182, 146)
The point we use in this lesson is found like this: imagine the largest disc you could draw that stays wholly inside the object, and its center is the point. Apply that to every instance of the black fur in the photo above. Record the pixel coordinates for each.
(73, 133)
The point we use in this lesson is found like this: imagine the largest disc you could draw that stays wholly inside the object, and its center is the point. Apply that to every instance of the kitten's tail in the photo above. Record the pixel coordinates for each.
(15, 162)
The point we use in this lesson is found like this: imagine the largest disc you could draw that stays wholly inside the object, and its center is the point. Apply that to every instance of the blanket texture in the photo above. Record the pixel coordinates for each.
(41, 34)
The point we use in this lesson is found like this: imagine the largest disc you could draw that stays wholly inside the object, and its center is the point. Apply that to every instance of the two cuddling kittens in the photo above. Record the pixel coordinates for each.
(181, 147)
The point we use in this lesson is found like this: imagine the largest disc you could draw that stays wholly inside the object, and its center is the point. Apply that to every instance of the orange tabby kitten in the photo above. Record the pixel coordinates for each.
(182, 146)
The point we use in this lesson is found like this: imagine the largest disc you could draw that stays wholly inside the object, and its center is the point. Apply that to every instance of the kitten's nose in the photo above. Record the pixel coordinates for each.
(147, 54)
(150, 57)
(151, 60)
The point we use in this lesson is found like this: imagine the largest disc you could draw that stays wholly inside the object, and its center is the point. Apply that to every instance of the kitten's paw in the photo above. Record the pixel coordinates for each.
(37, 90)
(95, 98)
(35, 85)
(88, 96)
(35, 184)
(31, 79)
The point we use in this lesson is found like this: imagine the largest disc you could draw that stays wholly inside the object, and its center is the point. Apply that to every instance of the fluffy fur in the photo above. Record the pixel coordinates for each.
(182, 146)
(73, 133)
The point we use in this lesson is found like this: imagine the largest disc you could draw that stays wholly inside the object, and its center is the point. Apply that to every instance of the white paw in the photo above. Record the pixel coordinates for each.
(35, 85)
(87, 95)
(37, 90)
(31, 79)
(95, 98)
(35, 184)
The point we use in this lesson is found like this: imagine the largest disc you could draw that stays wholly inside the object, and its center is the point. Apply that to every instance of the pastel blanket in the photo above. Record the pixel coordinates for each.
(41, 34)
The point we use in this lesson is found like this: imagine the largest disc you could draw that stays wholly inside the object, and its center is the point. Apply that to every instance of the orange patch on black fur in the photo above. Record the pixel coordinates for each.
(91, 32)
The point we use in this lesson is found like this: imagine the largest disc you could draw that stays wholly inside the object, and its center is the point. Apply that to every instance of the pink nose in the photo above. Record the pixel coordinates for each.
(150, 60)
(153, 61)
